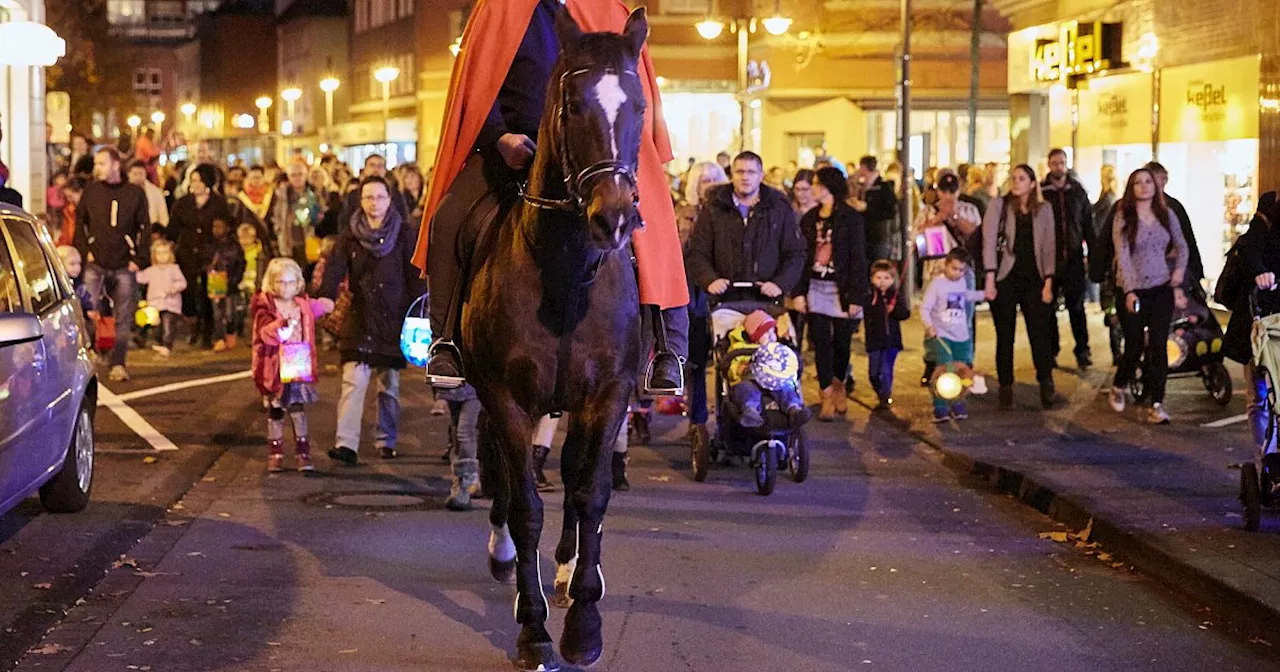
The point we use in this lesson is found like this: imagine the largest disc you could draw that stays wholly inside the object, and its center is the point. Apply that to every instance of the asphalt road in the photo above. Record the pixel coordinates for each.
(883, 560)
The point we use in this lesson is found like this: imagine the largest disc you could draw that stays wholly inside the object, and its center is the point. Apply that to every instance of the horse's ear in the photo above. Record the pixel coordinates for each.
(636, 30)
(567, 30)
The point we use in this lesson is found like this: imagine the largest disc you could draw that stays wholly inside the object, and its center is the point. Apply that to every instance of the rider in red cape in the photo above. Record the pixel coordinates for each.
(496, 99)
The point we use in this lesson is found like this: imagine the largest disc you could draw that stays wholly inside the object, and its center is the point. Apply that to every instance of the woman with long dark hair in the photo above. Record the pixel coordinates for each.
(834, 287)
(1019, 250)
(1147, 235)
(802, 201)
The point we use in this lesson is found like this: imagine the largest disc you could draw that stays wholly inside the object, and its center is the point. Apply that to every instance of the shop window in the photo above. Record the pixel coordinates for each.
(148, 81)
(126, 12)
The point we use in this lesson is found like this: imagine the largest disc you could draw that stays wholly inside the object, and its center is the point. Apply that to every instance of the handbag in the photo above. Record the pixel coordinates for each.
(295, 363)
(415, 334)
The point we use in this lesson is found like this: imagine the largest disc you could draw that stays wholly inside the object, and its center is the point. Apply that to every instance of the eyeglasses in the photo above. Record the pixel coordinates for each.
(375, 199)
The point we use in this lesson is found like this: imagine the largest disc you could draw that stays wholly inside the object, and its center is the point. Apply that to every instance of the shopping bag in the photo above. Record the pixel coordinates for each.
(935, 242)
(415, 335)
(216, 284)
(295, 363)
(105, 333)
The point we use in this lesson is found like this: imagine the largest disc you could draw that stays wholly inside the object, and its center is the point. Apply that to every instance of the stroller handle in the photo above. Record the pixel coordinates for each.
(1253, 299)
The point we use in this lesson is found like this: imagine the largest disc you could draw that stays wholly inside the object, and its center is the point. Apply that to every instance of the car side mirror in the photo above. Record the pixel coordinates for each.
(18, 328)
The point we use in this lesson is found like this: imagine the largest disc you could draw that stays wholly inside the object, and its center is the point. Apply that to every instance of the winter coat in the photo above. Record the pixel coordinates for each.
(769, 248)
(165, 283)
(381, 290)
(883, 316)
(848, 253)
(191, 230)
(1259, 252)
(881, 214)
(226, 255)
(1072, 223)
(266, 339)
(110, 223)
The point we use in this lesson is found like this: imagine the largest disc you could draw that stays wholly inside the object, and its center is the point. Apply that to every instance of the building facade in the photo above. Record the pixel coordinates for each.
(22, 101)
(1193, 85)
(313, 43)
(384, 80)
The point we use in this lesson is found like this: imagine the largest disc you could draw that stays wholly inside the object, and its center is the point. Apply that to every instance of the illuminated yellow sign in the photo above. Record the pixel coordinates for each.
(1080, 49)
(1115, 111)
(1210, 102)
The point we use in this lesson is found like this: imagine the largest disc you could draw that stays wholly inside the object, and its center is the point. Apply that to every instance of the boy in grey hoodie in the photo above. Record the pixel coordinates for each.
(945, 314)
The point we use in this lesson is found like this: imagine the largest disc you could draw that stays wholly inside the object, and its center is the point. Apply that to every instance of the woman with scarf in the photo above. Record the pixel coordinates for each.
(374, 255)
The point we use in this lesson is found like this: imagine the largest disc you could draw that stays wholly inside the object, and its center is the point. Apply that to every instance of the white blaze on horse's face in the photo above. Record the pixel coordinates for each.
(610, 96)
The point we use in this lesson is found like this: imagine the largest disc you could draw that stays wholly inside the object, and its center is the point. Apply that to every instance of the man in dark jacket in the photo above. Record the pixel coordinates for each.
(1195, 265)
(879, 208)
(1073, 222)
(110, 222)
(375, 255)
(746, 233)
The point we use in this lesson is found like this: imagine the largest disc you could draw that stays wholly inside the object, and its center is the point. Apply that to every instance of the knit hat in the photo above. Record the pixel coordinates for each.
(757, 323)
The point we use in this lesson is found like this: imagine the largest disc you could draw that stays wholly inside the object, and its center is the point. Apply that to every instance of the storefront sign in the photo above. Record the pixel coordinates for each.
(1210, 102)
(1115, 111)
(1078, 49)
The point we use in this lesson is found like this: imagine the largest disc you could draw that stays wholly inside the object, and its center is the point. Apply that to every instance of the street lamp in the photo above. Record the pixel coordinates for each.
(134, 122)
(157, 118)
(386, 75)
(777, 24)
(291, 96)
(329, 85)
(263, 104)
(188, 110)
(711, 29)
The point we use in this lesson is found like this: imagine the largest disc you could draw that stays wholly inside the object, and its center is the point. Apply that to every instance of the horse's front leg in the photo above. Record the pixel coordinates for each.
(567, 548)
(582, 643)
(513, 427)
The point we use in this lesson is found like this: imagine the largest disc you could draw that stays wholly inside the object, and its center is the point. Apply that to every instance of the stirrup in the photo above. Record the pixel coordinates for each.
(677, 391)
(445, 382)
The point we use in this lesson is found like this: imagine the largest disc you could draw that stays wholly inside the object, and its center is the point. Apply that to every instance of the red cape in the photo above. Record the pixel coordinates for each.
(489, 45)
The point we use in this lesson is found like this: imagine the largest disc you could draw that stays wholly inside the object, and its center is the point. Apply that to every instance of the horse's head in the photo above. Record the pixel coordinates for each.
(596, 106)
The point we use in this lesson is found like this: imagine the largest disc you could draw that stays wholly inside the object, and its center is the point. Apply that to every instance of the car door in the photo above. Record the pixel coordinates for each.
(22, 460)
(49, 300)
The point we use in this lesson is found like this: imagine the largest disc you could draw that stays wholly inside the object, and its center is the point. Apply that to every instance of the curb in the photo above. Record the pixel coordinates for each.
(1232, 607)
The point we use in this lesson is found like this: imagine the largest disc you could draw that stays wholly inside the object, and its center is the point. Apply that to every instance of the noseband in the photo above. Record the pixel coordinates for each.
(576, 183)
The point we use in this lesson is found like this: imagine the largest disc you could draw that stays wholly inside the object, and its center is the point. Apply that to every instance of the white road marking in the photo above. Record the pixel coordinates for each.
(610, 95)
(133, 420)
(1227, 421)
(183, 385)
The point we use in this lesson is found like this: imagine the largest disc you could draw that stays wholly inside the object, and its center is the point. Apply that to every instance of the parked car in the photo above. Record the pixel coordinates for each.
(48, 385)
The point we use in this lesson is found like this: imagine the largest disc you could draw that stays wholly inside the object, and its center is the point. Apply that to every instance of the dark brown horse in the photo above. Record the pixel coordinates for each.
(552, 324)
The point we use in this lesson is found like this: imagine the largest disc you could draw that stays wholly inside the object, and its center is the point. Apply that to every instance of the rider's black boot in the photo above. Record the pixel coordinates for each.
(444, 369)
(665, 376)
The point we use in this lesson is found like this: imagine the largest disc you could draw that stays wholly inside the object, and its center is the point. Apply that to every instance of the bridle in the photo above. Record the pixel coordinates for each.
(576, 183)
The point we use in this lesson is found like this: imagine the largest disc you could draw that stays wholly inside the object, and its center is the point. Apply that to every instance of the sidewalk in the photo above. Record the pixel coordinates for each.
(1162, 499)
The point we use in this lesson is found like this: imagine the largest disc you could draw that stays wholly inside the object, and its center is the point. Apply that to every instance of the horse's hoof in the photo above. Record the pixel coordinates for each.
(538, 655)
(503, 572)
(561, 599)
(582, 644)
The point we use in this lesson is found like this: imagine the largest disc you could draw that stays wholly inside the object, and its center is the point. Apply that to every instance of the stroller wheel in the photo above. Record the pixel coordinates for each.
(766, 474)
(798, 456)
(1218, 380)
(1250, 496)
(700, 453)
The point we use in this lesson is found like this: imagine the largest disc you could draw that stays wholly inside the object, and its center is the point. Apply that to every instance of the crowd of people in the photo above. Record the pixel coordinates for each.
(828, 241)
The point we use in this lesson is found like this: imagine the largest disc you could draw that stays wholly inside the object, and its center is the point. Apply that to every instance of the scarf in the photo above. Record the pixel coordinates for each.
(378, 242)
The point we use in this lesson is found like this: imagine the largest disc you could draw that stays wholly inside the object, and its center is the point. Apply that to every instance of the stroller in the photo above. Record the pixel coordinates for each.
(776, 445)
(1195, 350)
(1256, 480)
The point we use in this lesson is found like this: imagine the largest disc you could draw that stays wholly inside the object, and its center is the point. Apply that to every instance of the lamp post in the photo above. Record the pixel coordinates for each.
(263, 104)
(157, 118)
(329, 85)
(188, 110)
(386, 75)
(904, 147)
(711, 28)
(134, 122)
(291, 96)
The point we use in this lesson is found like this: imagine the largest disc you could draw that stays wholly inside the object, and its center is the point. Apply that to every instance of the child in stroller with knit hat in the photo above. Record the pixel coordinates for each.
(759, 365)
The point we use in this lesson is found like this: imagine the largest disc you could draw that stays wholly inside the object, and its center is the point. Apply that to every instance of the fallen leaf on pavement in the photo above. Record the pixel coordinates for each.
(1060, 537)
(1084, 534)
(147, 575)
(371, 601)
(49, 650)
(150, 459)
(176, 523)
(224, 515)
(124, 562)
(349, 651)
(195, 554)
(42, 586)
(660, 479)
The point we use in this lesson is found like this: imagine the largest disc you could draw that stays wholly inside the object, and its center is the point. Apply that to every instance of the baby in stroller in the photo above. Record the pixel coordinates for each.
(758, 365)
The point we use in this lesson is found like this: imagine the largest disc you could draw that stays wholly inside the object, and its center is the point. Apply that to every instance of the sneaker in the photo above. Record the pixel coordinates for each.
(389, 453)
(620, 482)
(220, 346)
(275, 463)
(1118, 398)
(751, 418)
(959, 411)
(940, 415)
(461, 493)
(344, 455)
(162, 351)
(118, 374)
(1157, 415)
(444, 371)
(665, 377)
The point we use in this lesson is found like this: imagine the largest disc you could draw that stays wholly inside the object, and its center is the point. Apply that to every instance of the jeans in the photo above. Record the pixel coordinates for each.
(945, 352)
(747, 394)
(1072, 286)
(1261, 418)
(831, 338)
(880, 371)
(168, 328)
(355, 383)
(122, 286)
(699, 353)
(465, 436)
(1145, 334)
(221, 312)
(1011, 295)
